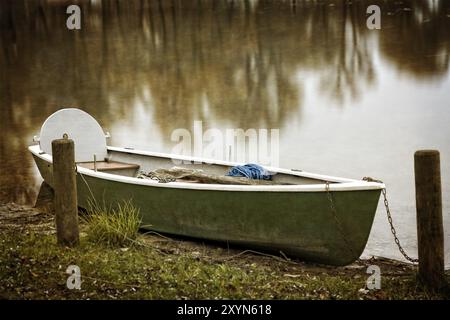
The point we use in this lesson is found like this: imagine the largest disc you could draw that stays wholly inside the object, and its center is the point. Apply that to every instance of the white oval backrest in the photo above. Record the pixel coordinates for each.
(81, 127)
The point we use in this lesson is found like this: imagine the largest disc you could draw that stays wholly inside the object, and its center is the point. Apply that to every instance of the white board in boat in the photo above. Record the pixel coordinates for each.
(81, 127)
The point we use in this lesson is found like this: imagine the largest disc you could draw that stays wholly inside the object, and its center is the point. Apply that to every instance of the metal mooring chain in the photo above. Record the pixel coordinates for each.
(391, 223)
(334, 212)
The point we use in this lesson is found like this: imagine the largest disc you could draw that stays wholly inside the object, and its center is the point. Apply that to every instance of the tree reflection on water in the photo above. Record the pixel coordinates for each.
(235, 62)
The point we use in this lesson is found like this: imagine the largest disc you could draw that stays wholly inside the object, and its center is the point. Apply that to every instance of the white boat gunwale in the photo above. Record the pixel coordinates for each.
(338, 183)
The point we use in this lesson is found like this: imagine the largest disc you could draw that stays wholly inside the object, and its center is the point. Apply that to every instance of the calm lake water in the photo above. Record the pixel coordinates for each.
(348, 101)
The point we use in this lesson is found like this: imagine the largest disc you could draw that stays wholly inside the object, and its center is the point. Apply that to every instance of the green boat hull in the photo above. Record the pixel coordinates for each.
(300, 224)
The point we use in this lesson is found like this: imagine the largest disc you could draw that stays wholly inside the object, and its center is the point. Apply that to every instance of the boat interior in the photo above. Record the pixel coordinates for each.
(131, 164)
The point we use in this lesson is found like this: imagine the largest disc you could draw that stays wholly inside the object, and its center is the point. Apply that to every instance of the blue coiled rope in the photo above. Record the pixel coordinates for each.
(250, 171)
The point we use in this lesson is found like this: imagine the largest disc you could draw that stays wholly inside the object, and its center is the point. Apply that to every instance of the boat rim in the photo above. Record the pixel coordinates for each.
(337, 183)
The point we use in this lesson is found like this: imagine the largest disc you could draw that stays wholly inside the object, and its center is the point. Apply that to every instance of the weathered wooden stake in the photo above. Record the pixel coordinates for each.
(430, 230)
(65, 187)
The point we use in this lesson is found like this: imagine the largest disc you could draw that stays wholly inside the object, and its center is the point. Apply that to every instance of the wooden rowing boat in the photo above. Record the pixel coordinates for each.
(313, 217)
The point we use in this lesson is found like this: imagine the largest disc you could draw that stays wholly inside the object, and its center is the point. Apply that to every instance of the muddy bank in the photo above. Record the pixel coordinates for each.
(167, 268)
(40, 219)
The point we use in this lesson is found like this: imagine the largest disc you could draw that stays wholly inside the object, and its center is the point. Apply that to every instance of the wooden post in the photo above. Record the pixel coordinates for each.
(65, 187)
(430, 230)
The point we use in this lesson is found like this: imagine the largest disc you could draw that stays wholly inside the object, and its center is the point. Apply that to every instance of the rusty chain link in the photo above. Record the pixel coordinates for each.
(391, 223)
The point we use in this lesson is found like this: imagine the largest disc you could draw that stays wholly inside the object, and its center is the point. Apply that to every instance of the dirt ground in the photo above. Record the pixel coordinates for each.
(41, 220)
(277, 270)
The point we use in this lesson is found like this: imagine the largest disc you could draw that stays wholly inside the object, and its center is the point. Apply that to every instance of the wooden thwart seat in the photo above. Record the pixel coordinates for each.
(108, 165)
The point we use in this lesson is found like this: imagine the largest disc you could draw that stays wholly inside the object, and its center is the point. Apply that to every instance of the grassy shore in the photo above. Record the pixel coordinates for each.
(32, 266)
